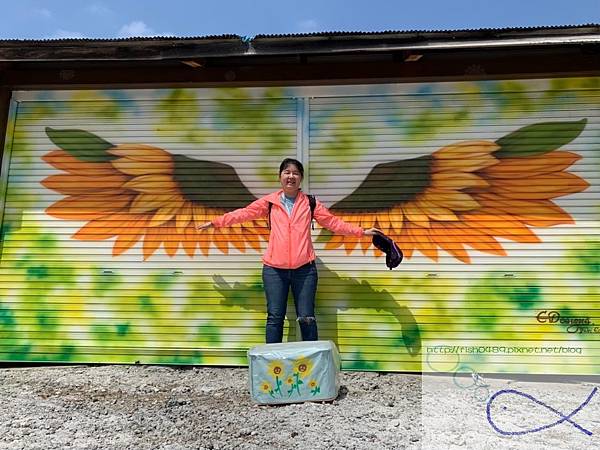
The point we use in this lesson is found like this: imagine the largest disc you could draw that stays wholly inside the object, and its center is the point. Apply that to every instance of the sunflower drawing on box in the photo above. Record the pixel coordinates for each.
(463, 196)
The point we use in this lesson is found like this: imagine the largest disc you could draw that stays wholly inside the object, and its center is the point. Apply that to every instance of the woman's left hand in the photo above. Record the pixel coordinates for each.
(372, 231)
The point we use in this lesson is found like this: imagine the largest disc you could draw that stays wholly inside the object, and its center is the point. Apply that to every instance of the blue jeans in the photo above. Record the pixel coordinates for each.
(277, 283)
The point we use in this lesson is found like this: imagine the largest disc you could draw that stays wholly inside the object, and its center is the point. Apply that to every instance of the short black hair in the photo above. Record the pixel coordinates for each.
(289, 161)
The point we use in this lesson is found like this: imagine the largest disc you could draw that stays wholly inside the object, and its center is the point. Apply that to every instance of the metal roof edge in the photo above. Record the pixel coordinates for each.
(170, 48)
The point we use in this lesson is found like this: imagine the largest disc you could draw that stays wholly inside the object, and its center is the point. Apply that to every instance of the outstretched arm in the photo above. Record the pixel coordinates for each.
(326, 219)
(255, 210)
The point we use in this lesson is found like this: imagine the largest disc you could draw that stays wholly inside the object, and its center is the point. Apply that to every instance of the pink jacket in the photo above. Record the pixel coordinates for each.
(290, 245)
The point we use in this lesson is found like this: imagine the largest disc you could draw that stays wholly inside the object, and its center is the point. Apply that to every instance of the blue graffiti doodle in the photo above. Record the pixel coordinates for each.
(562, 419)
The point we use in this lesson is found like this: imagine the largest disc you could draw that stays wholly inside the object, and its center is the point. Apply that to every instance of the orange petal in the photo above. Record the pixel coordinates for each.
(541, 187)
(457, 180)
(396, 220)
(104, 228)
(335, 241)
(447, 239)
(235, 229)
(475, 238)
(500, 225)
(465, 165)
(415, 215)
(64, 161)
(135, 168)
(456, 201)
(555, 161)
(537, 213)
(422, 241)
(158, 184)
(87, 207)
(404, 241)
(166, 213)
(171, 239)
(436, 212)
(190, 241)
(383, 221)
(145, 203)
(260, 227)
(152, 240)
(466, 150)
(252, 238)
(128, 238)
(234, 235)
(199, 213)
(366, 221)
(141, 152)
(76, 184)
(221, 241)
(204, 240)
(184, 216)
(365, 243)
(349, 243)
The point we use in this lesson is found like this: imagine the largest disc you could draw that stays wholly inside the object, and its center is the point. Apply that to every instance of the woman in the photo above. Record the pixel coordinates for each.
(289, 260)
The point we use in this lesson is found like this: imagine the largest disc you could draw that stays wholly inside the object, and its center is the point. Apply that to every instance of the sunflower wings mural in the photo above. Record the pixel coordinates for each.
(139, 192)
(465, 195)
(468, 194)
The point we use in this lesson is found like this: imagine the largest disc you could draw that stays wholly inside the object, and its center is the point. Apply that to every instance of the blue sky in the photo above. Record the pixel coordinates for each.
(39, 19)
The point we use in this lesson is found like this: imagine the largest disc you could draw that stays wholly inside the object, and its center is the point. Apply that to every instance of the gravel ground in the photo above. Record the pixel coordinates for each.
(174, 408)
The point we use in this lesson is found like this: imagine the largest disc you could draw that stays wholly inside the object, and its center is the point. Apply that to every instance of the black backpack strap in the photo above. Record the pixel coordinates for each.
(269, 216)
(312, 201)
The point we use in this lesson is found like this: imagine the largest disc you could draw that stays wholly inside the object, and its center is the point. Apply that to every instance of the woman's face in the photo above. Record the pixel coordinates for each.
(290, 178)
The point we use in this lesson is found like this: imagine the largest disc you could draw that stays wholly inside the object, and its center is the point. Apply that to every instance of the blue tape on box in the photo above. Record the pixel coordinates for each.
(294, 372)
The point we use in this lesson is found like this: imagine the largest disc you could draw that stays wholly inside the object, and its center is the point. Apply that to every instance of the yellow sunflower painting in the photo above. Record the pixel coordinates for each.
(463, 196)
(303, 367)
(276, 369)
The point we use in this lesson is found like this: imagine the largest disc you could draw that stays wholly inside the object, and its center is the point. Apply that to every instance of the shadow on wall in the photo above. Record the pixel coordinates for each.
(351, 294)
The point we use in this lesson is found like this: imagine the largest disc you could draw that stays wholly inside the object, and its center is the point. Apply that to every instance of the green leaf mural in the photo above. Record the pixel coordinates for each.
(538, 139)
(81, 144)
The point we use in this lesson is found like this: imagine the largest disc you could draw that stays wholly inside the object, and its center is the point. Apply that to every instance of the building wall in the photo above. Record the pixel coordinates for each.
(489, 187)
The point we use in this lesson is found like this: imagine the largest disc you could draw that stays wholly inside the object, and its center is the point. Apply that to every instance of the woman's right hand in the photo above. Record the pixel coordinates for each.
(372, 231)
(204, 226)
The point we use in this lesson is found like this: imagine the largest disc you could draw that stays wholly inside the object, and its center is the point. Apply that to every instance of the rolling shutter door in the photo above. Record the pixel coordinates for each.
(89, 276)
(490, 188)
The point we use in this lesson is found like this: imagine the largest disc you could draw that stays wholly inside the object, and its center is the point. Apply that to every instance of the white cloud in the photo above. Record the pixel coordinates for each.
(45, 13)
(99, 9)
(65, 34)
(135, 28)
(139, 28)
(308, 26)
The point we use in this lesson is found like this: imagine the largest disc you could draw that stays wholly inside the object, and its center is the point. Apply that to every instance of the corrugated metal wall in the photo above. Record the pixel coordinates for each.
(490, 188)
